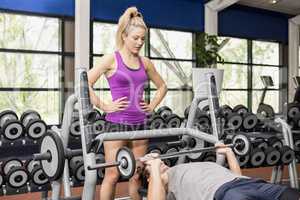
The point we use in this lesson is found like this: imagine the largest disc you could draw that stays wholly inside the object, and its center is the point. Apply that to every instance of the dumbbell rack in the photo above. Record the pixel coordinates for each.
(22, 149)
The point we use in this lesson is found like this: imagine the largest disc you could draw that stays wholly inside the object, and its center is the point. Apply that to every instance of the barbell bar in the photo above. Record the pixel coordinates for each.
(126, 163)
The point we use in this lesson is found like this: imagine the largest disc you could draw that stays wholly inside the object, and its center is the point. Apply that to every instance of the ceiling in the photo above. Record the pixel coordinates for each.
(285, 6)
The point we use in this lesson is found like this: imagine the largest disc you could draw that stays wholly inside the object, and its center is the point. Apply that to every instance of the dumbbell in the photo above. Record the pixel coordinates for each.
(15, 174)
(36, 173)
(202, 122)
(155, 121)
(225, 110)
(257, 157)
(126, 163)
(11, 127)
(158, 148)
(100, 126)
(243, 160)
(1, 179)
(286, 153)
(172, 120)
(240, 109)
(164, 111)
(53, 154)
(77, 168)
(260, 142)
(273, 154)
(189, 143)
(265, 111)
(187, 111)
(233, 121)
(171, 161)
(293, 109)
(249, 121)
(75, 124)
(34, 126)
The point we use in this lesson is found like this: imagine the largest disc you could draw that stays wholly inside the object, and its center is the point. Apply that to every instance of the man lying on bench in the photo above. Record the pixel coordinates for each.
(209, 181)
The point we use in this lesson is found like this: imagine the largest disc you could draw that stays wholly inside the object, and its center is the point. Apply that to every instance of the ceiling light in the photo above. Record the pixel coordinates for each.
(273, 1)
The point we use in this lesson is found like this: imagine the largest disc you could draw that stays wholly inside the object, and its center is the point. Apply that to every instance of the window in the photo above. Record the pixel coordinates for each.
(30, 61)
(235, 80)
(171, 53)
(245, 62)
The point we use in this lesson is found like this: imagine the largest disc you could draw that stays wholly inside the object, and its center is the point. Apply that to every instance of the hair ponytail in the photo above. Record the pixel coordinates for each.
(130, 18)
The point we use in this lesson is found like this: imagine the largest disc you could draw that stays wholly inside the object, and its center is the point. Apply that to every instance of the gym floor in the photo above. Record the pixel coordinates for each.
(263, 172)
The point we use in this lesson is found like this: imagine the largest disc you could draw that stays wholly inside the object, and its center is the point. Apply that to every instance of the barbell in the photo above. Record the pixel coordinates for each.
(126, 163)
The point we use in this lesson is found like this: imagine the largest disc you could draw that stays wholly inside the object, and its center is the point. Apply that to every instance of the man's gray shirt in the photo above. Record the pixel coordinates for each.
(197, 181)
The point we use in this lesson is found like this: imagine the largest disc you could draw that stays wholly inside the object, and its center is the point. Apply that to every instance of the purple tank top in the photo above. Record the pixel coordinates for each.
(127, 82)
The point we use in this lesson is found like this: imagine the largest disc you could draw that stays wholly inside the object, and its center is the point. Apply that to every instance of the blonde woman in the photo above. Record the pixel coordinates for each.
(126, 72)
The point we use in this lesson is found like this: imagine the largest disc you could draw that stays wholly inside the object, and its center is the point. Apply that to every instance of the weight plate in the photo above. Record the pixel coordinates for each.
(171, 161)
(240, 109)
(74, 161)
(257, 157)
(198, 144)
(7, 115)
(127, 162)
(226, 110)
(31, 164)
(287, 155)
(244, 145)
(36, 128)
(52, 144)
(12, 130)
(79, 172)
(234, 121)
(243, 160)
(164, 111)
(38, 176)
(8, 164)
(29, 115)
(75, 128)
(17, 177)
(272, 156)
(173, 121)
(265, 110)
(249, 121)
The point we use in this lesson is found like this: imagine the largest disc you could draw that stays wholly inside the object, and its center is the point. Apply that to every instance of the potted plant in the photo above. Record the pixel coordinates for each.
(206, 49)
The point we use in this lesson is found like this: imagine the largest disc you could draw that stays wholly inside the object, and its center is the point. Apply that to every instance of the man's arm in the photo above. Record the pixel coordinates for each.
(231, 159)
(156, 190)
(156, 187)
(232, 162)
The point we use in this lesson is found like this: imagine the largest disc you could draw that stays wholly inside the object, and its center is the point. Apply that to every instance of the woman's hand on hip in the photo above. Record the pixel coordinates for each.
(117, 105)
(146, 107)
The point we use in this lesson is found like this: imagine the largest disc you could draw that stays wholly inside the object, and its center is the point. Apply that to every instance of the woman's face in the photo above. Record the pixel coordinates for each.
(135, 39)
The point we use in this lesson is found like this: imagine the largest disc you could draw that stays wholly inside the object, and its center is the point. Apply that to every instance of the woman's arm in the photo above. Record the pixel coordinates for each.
(155, 77)
(94, 74)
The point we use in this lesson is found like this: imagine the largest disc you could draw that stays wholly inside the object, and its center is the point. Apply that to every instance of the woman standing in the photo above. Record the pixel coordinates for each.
(127, 73)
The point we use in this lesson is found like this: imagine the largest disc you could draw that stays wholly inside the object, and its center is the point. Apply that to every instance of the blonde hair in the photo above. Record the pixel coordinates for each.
(130, 18)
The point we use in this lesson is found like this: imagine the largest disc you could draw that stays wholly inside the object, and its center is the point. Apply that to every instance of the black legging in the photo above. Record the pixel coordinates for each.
(290, 194)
